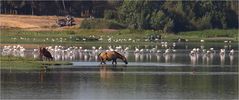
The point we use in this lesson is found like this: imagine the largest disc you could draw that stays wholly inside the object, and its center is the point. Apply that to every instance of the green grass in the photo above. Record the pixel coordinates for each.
(213, 34)
(77, 36)
(18, 63)
(67, 37)
(100, 24)
(21, 63)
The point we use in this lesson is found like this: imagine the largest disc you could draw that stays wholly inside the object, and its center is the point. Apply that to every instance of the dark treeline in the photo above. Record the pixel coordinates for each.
(84, 8)
(176, 16)
(169, 16)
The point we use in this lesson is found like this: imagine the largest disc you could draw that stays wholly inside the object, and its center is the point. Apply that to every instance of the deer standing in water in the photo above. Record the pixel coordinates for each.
(111, 55)
(45, 53)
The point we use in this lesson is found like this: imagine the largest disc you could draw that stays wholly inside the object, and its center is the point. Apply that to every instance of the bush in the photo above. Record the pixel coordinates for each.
(100, 24)
(70, 32)
(109, 14)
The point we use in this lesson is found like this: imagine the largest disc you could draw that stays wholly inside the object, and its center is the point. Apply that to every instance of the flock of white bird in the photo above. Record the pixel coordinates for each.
(73, 52)
(208, 55)
(211, 51)
(107, 38)
(15, 50)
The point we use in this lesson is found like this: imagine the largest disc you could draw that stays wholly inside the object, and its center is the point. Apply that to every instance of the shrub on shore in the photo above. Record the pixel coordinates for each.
(100, 24)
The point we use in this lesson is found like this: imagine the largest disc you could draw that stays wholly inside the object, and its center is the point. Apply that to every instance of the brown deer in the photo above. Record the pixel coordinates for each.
(45, 53)
(111, 55)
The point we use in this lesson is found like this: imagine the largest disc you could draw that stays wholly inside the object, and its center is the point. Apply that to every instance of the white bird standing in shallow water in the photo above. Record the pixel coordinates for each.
(141, 50)
(174, 45)
(136, 50)
(222, 51)
(167, 51)
(231, 52)
(212, 50)
(192, 52)
(93, 47)
(126, 49)
(208, 52)
(158, 51)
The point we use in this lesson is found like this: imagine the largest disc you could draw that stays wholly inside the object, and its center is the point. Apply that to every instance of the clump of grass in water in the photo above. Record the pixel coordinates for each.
(26, 63)
(18, 63)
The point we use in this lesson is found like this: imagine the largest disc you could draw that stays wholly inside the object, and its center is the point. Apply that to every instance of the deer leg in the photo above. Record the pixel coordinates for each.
(104, 61)
(114, 61)
(101, 60)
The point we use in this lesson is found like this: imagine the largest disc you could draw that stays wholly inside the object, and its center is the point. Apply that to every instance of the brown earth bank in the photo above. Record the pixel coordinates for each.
(38, 23)
(32, 22)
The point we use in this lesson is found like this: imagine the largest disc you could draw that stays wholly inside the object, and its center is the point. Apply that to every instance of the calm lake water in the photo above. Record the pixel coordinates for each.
(147, 76)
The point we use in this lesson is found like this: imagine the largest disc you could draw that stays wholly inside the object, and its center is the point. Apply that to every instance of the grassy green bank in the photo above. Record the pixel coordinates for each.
(88, 36)
(212, 35)
(20, 63)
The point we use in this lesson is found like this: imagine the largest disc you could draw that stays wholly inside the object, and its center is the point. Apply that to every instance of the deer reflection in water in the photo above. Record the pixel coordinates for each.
(42, 73)
(106, 72)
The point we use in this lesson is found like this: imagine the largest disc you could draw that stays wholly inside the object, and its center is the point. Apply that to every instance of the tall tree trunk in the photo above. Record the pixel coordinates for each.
(63, 3)
(32, 8)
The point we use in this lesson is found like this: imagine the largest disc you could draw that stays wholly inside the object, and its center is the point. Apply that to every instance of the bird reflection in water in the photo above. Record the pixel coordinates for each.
(222, 59)
(136, 55)
(194, 60)
(231, 59)
(173, 57)
(167, 58)
(209, 59)
(158, 57)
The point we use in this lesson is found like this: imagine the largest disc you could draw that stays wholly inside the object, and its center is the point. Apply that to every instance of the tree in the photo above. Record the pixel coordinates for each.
(169, 26)
(135, 13)
(158, 20)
